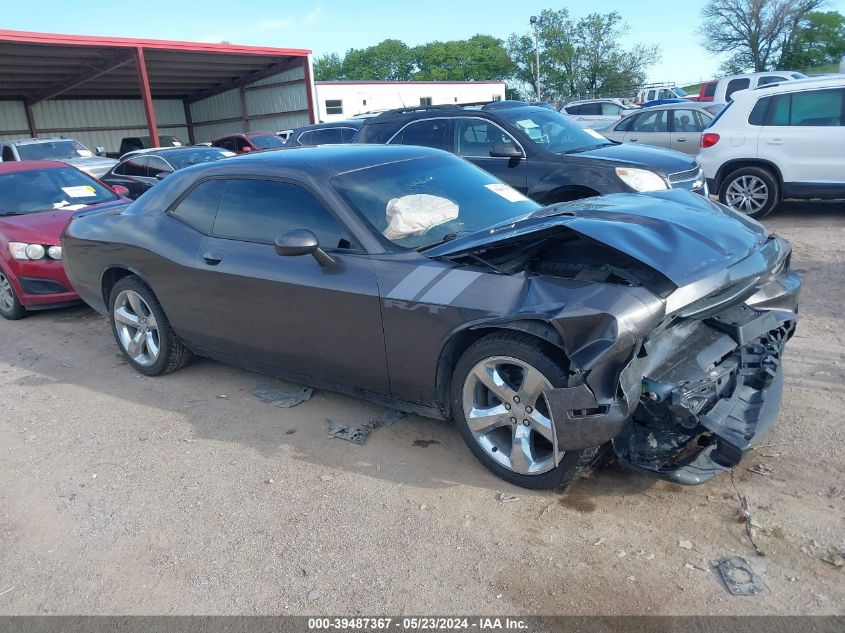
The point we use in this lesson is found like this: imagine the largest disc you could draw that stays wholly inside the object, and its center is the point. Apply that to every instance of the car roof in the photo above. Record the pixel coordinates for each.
(261, 133)
(335, 159)
(449, 111)
(801, 84)
(33, 141)
(30, 165)
(605, 100)
(356, 123)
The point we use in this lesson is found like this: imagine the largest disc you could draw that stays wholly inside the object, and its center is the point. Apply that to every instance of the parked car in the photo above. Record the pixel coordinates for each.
(284, 134)
(325, 133)
(65, 150)
(132, 143)
(778, 141)
(38, 199)
(721, 90)
(595, 113)
(249, 142)
(141, 169)
(654, 93)
(676, 126)
(542, 153)
(652, 325)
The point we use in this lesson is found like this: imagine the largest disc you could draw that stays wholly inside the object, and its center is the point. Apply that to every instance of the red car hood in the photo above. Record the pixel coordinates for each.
(45, 227)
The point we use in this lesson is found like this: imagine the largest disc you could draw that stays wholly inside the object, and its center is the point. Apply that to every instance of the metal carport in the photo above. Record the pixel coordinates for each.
(99, 89)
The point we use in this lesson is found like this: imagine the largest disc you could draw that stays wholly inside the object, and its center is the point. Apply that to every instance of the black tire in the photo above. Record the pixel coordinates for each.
(173, 354)
(16, 310)
(761, 173)
(549, 362)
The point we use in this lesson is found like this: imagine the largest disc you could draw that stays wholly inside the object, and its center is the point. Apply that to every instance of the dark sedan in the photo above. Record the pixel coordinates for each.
(331, 133)
(650, 325)
(142, 169)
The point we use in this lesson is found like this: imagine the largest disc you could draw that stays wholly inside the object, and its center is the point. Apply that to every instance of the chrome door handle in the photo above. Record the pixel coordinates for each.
(212, 259)
(775, 141)
(633, 140)
(681, 140)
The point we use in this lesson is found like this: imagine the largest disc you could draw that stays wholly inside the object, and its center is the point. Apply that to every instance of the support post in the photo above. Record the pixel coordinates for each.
(146, 96)
(189, 122)
(309, 88)
(244, 115)
(30, 120)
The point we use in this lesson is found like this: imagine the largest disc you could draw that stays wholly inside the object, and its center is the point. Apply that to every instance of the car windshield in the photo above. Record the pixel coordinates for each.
(36, 190)
(180, 160)
(53, 150)
(552, 131)
(680, 92)
(266, 141)
(425, 201)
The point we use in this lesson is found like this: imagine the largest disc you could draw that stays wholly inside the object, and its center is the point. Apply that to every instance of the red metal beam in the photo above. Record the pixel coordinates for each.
(309, 89)
(146, 96)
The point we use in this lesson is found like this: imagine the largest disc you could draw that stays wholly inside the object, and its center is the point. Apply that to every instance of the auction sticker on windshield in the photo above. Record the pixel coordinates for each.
(81, 191)
(508, 193)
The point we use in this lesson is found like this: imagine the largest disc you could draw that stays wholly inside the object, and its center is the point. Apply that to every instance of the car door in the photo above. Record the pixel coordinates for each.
(650, 128)
(685, 128)
(475, 138)
(132, 174)
(804, 134)
(291, 313)
(434, 132)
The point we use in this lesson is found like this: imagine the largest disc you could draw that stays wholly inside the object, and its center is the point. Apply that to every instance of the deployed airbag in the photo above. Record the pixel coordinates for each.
(416, 214)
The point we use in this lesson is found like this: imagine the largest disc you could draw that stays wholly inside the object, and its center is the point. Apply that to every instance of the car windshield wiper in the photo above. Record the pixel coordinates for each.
(587, 148)
(7, 213)
(446, 238)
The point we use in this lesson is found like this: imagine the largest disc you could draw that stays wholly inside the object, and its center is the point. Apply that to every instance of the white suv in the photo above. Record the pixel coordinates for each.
(778, 141)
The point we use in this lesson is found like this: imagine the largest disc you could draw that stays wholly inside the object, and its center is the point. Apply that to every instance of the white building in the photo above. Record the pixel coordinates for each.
(338, 100)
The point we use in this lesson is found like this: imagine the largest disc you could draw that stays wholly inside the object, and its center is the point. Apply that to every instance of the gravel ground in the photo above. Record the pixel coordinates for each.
(121, 494)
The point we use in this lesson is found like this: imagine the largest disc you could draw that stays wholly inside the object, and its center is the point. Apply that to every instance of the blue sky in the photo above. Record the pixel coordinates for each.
(335, 26)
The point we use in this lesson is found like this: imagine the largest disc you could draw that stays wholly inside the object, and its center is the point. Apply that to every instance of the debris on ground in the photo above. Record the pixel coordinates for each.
(222, 396)
(745, 517)
(685, 544)
(281, 398)
(326, 477)
(424, 443)
(290, 431)
(739, 577)
(761, 469)
(313, 595)
(358, 434)
(600, 541)
(834, 556)
(504, 497)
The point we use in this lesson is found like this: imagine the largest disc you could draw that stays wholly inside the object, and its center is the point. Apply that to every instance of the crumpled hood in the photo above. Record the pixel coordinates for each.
(681, 235)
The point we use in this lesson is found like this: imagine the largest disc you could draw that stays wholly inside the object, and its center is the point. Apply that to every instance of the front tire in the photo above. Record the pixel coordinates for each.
(497, 405)
(10, 306)
(142, 330)
(753, 191)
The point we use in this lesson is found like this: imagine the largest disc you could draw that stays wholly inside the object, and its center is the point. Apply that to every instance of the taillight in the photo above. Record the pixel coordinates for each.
(709, 139)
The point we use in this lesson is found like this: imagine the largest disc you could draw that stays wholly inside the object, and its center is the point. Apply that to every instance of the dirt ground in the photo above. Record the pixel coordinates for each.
(121, 494)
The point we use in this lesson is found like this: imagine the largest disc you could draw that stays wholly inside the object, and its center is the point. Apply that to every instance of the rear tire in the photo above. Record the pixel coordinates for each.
(10, 306)
(754, 191)
(142, 330)
(498, 380)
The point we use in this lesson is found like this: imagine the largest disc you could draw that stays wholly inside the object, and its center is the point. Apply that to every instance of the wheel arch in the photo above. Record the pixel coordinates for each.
(112, 275)
(460, 340)
(740, 163)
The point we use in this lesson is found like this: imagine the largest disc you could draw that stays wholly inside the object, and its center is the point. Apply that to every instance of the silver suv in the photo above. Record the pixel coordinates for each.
(65, 150)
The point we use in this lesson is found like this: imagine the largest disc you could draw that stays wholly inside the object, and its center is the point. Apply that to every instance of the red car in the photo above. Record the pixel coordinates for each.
(249, 142)
(38, 198)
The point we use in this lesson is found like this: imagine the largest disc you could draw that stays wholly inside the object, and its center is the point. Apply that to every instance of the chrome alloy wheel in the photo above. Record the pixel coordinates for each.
(747, 194)
(136, 328)
(508, 416)
(7, 297)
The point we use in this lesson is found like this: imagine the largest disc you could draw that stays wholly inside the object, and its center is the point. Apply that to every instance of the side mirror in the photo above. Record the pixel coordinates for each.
(120, 190)
(162, 175)
(301, 242)
(505, 150)
(100, 150)
(245, 149)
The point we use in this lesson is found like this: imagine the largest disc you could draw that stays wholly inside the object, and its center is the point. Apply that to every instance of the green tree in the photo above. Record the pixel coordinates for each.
(480, 58)
(819, 40)
(389, 60)
(581, 56)
(328, 67)
(754, 32)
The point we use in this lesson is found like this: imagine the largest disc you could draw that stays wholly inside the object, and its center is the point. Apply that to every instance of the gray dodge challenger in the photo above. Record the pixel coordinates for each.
(652, 326)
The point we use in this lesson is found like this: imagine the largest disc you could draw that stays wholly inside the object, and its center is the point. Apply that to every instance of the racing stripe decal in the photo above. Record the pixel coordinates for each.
(415, 282)
(449, 287)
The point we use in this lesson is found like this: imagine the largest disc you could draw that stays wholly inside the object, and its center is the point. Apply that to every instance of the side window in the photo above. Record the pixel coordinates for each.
(665, 94)
(261, 210)
(779, 112)
(326, 136)
(591, 109)
(651, 122)
(157, 166)
(334, 106)
(199, 207)
(347, 134)
(8, 154)
(476, 137)
(626, 124)
(685, 121)
(610, 109)
(758, 112)
(430, 133)
(701, 120)
(817, 108)
(710, 89)
(736, 84)
(306, 138)
(770, 79)
(650, 95)
(135, 166)
(573, 109)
